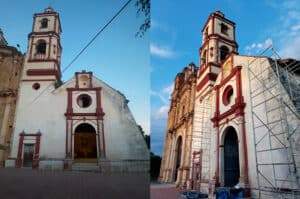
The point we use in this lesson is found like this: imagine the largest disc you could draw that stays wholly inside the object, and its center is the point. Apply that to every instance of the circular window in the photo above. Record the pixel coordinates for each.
(84, 100)
(36, 86)
(227, 95)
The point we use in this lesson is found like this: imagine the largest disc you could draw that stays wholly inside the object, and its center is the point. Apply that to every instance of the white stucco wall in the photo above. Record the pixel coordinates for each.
(123, 139)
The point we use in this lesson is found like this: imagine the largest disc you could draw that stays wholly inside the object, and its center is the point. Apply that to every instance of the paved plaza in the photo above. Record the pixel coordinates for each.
(164, 191)
(47, 184)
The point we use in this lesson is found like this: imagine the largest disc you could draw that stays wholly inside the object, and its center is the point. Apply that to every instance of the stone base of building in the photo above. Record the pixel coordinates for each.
(102, 166)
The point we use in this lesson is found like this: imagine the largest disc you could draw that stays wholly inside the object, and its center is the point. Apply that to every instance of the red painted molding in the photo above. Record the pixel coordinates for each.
(225, 94)
(43, 33)
(19, 160)
(208, 77)
(238, 107)
(98, 115)
(36, 156)
(43, 72)
(37, 80)
(85, 89)
(43, 60)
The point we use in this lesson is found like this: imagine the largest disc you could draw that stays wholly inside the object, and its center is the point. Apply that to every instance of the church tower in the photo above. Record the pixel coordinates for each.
(218, 39)
(218, 42)
(43, 56)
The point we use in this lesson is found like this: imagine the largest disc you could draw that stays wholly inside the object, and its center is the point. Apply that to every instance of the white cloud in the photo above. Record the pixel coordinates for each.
(286, 34)
(168, 89)
(162, 112)
(255, 48)
(295, 27)
(162, 98)
(161, 51)
(291, 49)
(164, 95)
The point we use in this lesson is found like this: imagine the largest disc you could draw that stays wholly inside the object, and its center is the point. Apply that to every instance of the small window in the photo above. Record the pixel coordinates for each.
(84, 100)
(44, 23)
(203, 59)
(224, 51)
(224, 29)
(227, 95)
(41, 47)
(206, 33)
(36, 86)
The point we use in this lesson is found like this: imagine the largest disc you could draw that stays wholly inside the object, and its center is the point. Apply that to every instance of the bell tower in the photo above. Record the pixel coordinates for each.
(218, 39)
(43, 55)
(218, 42)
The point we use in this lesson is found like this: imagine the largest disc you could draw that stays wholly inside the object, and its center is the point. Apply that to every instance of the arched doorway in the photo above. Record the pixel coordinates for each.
(177, 157)
(231, 158)
(85, 144)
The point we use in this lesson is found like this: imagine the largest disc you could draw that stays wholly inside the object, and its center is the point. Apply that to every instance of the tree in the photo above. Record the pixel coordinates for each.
(146, 137)
(143, 7)
(155, 166)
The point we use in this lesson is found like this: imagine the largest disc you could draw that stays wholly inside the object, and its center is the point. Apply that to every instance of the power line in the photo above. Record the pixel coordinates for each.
(86, 46)
(97, 34)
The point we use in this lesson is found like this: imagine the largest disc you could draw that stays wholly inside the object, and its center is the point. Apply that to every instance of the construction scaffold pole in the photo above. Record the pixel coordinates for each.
(274, 85)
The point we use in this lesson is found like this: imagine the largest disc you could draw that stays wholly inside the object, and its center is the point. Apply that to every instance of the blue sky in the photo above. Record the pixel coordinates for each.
(176, 38)
(116, 56)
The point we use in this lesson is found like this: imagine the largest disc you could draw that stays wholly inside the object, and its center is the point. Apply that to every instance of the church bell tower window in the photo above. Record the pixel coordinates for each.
(224, 29)
(224, 51)
(44, 23)
(41, 47)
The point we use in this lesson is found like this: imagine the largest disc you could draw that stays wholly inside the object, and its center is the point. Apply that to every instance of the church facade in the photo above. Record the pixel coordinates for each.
(245, 128)
(11, 64)
(82, 122)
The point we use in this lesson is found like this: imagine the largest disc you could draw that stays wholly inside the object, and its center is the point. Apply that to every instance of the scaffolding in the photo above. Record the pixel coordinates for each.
(201, 143)
(274, 86)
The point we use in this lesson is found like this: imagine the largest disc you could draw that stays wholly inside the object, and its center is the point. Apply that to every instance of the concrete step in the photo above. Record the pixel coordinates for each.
(85, 167)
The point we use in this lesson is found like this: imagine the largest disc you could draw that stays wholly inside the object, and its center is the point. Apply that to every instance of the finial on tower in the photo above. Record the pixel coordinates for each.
(49, 9)
(218, 12)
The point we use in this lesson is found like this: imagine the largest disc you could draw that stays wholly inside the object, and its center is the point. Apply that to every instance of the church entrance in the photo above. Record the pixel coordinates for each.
(28, 155)
(231, 158)
(85, 144)
(177, 157)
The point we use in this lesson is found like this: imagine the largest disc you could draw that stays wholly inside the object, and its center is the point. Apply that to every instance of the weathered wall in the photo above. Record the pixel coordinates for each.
(11, 61)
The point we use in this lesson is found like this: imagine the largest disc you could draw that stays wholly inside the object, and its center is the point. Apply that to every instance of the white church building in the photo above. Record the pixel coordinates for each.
(246, 122)
(83, 121)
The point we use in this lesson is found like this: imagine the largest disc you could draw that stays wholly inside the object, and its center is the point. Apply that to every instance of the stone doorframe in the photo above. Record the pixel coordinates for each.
(238, 126)
(36, 155)
(71, 125)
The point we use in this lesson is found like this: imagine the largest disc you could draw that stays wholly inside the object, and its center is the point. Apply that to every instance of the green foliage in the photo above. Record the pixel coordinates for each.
(143, 7)
(146, 137)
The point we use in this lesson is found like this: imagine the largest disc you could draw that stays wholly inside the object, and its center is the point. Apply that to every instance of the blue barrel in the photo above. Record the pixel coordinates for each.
(222, 193)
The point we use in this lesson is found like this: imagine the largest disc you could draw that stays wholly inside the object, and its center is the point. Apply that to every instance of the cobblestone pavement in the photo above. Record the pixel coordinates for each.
(46, 184)
(164, 191)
